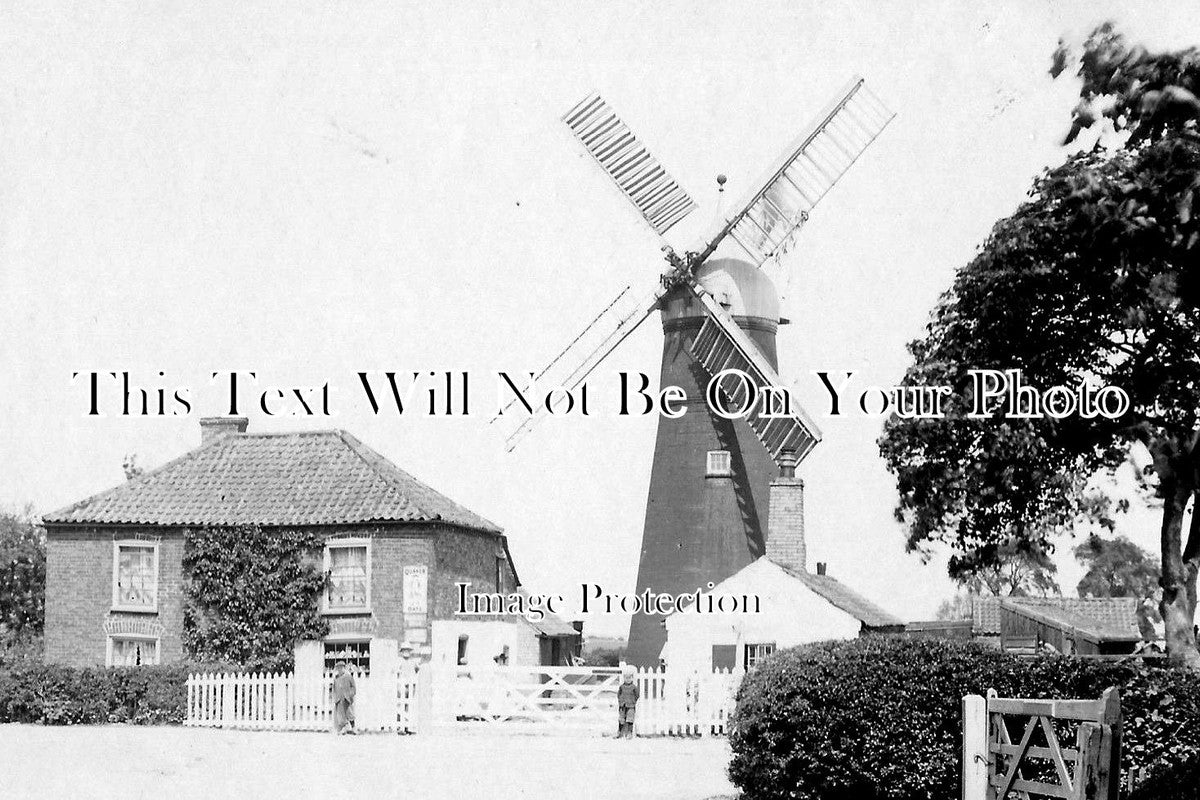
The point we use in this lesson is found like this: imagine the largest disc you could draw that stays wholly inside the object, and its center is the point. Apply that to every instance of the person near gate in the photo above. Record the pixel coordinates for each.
(343, 699)
(627, 697)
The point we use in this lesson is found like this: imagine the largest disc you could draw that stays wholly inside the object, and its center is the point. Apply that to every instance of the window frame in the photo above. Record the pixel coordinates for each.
(755, 647)
(143, 544)
(710, 471)
(330, 545)
(130, 637)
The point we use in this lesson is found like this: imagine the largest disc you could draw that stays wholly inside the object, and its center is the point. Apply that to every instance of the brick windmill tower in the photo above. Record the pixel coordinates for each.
(706, 508)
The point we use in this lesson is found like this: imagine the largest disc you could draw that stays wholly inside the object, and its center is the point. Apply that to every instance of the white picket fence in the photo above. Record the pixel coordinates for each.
(676, 704)
(582, 700)
(283, 701)
(510, 698)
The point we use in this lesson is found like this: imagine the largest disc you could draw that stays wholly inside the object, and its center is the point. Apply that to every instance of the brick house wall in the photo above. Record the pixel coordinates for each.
(79, 584)
(79, 591)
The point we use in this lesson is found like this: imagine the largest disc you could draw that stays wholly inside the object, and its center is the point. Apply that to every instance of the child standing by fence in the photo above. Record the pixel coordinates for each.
(627, 697)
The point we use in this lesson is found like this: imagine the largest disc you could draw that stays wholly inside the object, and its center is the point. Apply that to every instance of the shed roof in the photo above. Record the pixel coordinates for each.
(1099, 619)
(309, 478)
(1109, 618)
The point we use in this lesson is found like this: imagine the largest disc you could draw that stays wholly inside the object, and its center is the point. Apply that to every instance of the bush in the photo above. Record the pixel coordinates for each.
(880, 717)
(55, 695)
(22, 647)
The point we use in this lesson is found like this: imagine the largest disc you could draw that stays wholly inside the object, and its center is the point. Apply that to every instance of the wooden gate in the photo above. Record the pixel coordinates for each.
(579, 699)
(1014, 747)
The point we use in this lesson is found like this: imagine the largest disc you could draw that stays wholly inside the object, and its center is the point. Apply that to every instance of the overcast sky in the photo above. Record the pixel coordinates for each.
(310, 193)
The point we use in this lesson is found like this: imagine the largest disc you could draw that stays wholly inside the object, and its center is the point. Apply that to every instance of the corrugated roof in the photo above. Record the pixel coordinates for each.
(311, 478)
(1111, 618)
(845, 598)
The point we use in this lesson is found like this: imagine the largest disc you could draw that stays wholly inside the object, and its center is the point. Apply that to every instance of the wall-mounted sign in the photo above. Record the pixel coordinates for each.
(416, 589)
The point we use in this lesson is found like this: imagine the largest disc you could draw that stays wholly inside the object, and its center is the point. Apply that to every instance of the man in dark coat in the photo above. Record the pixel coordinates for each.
(343, 699)
(627, 697)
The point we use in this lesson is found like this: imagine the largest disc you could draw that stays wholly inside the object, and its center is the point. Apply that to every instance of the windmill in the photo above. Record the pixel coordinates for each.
(706, 508)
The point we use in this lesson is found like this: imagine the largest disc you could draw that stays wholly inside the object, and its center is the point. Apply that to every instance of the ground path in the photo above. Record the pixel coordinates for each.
(171, 763)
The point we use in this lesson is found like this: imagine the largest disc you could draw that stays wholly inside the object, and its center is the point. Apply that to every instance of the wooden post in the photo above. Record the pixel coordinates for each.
(1112, 718)
(1096, 780)
(975, 748)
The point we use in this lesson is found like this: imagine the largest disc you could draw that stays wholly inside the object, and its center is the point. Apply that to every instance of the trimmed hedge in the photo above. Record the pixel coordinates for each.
(880, 717)
(55, 695)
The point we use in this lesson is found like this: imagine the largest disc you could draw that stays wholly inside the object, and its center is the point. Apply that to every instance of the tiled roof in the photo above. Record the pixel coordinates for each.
(845, 598)
(1109, 618)
(310, 478)
(1100, 619)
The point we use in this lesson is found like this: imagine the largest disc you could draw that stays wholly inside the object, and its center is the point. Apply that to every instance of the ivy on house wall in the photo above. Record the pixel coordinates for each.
(250, 594)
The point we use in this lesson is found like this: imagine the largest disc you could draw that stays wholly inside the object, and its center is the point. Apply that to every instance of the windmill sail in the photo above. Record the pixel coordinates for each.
(637, 173)
(578, 359)
(722, 345)
(807, 170)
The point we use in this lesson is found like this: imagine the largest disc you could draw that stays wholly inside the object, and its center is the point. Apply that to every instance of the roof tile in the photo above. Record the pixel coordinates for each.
(308, 478)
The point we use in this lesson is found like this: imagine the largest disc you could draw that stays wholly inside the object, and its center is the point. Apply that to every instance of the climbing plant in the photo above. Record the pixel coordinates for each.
(250, 593)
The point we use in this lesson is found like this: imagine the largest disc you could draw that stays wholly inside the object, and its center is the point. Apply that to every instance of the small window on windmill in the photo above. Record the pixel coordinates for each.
(719, 464)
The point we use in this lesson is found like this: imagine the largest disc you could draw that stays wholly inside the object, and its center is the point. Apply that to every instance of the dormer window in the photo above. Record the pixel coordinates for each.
(348, 565)
(719, 465)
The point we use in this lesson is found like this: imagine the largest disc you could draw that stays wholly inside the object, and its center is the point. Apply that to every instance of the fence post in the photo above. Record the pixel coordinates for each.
(975, 748)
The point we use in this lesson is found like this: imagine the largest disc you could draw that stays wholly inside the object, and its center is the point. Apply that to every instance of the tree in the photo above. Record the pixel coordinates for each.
(130, 466)
(1119, 568)
(1015, 572)
(22, 572)
(1094, 281)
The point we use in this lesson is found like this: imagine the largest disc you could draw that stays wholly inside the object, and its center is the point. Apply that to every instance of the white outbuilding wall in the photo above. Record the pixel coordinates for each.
(790, 614)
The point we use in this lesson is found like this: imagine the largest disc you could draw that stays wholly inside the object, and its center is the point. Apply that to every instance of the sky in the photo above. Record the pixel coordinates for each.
(312, 191)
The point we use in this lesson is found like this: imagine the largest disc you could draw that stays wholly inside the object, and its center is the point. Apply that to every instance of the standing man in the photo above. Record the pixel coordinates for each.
(627, 697)
(343, 700)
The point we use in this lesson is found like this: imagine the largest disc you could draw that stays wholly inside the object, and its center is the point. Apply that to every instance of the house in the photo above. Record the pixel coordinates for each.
(394, 547)
(795, 606)
(1084, 626)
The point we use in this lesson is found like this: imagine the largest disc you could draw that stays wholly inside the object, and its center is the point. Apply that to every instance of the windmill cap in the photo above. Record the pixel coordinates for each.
(744, 289)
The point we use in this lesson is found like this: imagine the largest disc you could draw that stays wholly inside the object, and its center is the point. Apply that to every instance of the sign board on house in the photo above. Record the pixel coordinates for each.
(416, 589)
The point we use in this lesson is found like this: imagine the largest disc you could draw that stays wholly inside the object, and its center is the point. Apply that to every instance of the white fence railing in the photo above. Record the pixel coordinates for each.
(279, 701)
(679, 704)
(583, 699)
(537, 699)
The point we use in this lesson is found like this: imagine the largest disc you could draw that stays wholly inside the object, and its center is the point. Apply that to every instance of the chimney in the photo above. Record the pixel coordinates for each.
(785, 517)
(213, 428)
(821, 565)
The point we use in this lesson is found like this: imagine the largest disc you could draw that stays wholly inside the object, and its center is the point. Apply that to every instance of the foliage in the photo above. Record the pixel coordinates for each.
(57, 695)
(958, 607)
(1094, 281)
(131, 467)
(20, 648)
(880, 717)
(1119, 568)
(1017, 572)
(1148, 93)
(250, 594)
(22, 572)
(604, 657)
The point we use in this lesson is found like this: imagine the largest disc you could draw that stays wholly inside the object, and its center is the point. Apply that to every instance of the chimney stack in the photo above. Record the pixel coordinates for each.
(213, 428)
(821, 566)
(785, 526)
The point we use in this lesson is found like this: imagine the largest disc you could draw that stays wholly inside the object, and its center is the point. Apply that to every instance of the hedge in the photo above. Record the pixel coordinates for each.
(56, 695)
(880, 717)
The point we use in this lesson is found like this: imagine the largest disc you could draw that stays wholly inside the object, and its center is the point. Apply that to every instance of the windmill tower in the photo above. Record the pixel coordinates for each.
(706, 510)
